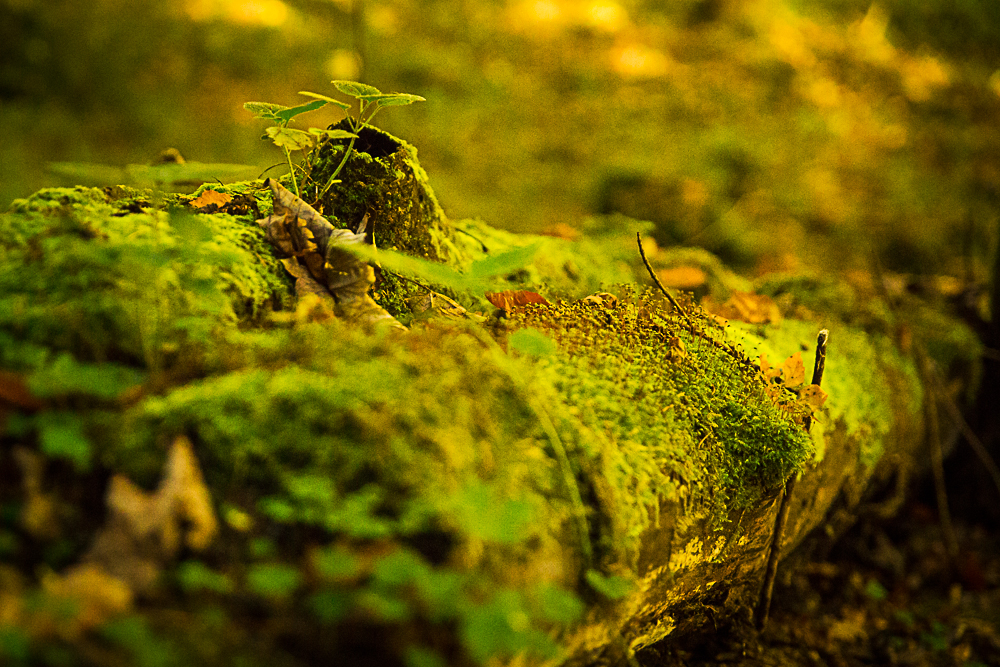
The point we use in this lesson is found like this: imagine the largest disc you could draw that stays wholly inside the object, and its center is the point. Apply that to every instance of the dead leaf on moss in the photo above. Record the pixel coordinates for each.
(793, 372)
(144, 530)
(211, 198)
(510, 298)
(602, 299)
(562, 231)
(746, 307)
(313, 253)
(770, 372)
(682, 277)
(813, 396)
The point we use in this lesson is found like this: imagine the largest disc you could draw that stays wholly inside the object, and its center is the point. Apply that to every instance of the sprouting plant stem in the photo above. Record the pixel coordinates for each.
(291, 171)
(347, 155)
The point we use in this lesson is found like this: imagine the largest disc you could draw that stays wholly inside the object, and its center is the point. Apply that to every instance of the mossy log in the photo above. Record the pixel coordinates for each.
(565, 482)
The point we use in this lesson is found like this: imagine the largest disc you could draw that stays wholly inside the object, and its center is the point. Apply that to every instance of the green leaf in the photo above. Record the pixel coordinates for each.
(61, 435)
(557, 605)
(506, 262)
(502, 628)
(336, 563)
(476, 281)
(394, 99)
(329, 606)
(86, 172)
(483, 511)
(399, 568)
(181, 173)
(418, 656)
(355, 89)
(613, 587)
(273, 580)
(194, 576)
(332, 134)
(67, 376)
(265, 110)
(293, 140)
(532, 341)
(328, 100)
(288, 114)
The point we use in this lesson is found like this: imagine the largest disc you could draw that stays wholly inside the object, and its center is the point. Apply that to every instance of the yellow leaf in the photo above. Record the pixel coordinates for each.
(813, 396)
(793, 373)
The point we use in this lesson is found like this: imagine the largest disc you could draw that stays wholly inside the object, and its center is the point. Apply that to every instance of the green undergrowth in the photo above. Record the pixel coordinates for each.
(449, 495)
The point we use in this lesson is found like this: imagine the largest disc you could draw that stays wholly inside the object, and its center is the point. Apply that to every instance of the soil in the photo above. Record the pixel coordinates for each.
(887, 593)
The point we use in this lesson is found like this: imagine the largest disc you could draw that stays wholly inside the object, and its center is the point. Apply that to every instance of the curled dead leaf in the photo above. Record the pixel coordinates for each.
(313, 253)
(144, 530)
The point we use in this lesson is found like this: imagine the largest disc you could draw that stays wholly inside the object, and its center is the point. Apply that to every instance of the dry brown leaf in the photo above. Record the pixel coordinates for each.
(211, 197)
(746, 307)
(601, 299)
(144, 530)
(314, 254)
(682, 277)
(511, 298)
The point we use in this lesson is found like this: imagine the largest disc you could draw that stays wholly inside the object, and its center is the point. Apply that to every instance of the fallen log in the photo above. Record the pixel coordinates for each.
(575, 477)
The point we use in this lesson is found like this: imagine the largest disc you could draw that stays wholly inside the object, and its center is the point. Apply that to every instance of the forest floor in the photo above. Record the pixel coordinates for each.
(887, 594)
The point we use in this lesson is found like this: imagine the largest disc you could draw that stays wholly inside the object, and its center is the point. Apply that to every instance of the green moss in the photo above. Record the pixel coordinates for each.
(682, 416)
(862, 374)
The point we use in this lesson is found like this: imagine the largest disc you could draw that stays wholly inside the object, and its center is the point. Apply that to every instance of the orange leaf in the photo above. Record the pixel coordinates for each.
(746, 307)
(769, 371)
(510, 298)
(209, 197)
(793, 373)
(682, 277)
(813, 396)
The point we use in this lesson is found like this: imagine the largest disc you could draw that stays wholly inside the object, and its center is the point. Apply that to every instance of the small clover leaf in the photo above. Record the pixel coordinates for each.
(332, 134)
(355, 89)
(265, 110)
(328, 100)
(289, 139)
(394, 99)
(288, 114)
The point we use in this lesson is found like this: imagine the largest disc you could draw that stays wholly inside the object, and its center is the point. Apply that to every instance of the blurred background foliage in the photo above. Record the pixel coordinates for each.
(780, 134)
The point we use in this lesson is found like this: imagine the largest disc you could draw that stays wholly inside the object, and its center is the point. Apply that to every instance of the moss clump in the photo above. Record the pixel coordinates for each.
(143, 289)
(686, 417)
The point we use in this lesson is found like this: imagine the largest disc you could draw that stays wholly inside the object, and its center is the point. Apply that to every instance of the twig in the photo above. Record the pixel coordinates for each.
(771, 569)
(977, 445)
(652, 274)
(937, 455)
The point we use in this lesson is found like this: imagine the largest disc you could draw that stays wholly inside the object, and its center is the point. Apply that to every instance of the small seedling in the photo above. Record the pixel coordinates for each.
(289, 139)
(370, 101)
